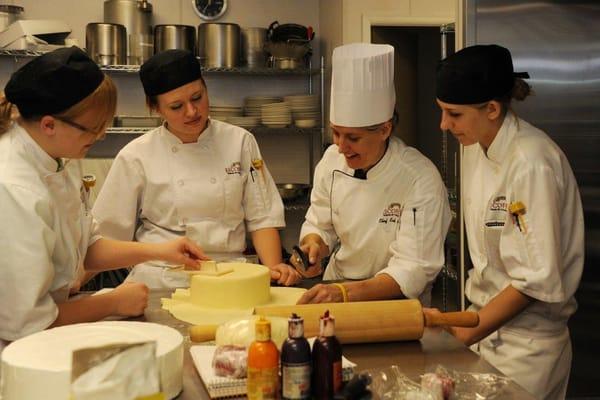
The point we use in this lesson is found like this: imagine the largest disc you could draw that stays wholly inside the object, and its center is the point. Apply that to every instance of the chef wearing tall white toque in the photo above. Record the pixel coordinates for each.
(378, 208)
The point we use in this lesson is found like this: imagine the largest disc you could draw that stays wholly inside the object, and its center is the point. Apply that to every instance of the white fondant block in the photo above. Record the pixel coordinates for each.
(39, 366)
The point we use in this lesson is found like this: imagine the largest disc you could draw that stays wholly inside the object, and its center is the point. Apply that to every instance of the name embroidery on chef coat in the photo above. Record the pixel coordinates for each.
(235, 168)
(497, 214)
(391, 214)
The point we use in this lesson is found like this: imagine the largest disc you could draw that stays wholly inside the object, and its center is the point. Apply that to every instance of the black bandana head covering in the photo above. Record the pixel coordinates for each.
(476, 74)
(169, 70)
(53, 82)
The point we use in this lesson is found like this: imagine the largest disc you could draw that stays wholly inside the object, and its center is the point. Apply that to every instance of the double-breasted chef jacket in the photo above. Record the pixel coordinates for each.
(45, 230)
(540, 254)
(159, 188)
(394, 222)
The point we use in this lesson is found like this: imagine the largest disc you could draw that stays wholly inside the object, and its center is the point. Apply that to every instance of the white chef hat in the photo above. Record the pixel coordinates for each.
(362, 85)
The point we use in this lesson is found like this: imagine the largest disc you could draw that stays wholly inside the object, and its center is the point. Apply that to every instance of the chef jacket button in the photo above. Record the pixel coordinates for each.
(180, 182)
(174, 149)
(213, 180)
(204, 147)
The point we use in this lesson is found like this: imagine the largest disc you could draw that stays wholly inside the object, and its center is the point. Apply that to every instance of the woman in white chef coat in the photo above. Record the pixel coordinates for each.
(192, 176)
(47, 233)
(378, 207)
(523, 218)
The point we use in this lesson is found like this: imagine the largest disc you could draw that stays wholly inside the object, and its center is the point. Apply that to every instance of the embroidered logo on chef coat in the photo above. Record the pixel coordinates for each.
(236, 168)
(391, 214)
(499, 204)
(496, 215)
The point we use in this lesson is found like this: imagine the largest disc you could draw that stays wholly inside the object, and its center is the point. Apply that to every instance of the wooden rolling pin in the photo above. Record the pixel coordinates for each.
(362, 322)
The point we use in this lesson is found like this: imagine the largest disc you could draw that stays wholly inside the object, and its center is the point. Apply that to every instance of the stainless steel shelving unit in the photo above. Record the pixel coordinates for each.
(235, 70)
(119, 136)
(21, 53)
(258, 129)
(226, 71)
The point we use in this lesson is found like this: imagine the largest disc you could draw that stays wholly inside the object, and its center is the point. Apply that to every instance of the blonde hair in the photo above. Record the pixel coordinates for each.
(519, 92)
(6, 109)
(103, 100)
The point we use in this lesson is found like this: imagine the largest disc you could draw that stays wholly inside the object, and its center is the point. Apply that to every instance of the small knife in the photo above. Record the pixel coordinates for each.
(299, 259)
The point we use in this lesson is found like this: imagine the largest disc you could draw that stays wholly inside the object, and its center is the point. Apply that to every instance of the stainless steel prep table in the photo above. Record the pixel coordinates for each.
(414, 357)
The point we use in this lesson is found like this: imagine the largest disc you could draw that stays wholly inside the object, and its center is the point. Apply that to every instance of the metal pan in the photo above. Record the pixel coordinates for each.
(290, 191)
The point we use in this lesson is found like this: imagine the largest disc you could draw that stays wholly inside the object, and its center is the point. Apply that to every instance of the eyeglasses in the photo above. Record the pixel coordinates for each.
(77, 126)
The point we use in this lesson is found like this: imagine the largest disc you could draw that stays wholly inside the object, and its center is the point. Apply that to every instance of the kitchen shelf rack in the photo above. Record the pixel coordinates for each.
(21, 53)
(135, 68)
(263, 71)
(120, 136)
(259, 129)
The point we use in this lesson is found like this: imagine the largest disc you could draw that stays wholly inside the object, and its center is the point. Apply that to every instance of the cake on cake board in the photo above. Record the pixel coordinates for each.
(213, 300)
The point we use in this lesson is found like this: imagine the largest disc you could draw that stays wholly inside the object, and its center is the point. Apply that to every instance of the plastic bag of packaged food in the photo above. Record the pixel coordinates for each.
(230, 361)
(441, 384)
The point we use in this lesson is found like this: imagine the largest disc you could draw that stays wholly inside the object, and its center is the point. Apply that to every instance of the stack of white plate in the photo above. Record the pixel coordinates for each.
(276, 115)
(222, 113)
(252, 104)
(244, 122)
(305, 108)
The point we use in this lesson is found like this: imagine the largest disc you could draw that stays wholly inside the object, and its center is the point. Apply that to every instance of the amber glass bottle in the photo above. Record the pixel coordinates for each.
(263, 364)
(327, 361)
(295, 362)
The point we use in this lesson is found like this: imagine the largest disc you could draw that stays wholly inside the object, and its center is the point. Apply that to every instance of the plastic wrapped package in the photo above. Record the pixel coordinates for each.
(441, 387)
(240, 332)
(230, 361)
(391, 384)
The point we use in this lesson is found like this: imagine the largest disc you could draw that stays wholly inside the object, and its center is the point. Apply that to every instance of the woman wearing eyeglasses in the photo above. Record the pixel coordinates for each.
(523, 219)
(48, 237)
(378, 208)
(193, 176)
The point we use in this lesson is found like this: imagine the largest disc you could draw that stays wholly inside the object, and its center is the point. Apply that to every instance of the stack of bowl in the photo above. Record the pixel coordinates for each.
(305, 110)
(222, 113)
(276, 115)
(252, 104)
(244, 122)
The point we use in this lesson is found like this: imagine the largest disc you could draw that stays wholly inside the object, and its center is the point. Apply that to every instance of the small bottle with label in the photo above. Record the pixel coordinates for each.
(263, 364)
(327, 360)
(295, 362)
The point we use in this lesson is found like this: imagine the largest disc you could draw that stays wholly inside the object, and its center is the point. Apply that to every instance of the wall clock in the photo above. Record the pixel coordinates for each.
(210, 9)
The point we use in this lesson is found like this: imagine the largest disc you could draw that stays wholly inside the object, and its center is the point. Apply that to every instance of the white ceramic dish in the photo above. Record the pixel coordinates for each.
(306, 123)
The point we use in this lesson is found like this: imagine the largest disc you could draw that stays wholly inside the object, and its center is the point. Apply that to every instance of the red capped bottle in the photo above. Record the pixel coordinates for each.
(327, 360)
(295, 362)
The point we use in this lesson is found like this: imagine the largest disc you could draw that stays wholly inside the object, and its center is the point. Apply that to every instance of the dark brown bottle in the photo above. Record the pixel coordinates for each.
(295, 362)
(327, 360)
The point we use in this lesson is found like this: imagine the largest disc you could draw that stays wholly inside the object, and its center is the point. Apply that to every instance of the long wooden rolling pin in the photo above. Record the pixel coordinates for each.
(362, 322)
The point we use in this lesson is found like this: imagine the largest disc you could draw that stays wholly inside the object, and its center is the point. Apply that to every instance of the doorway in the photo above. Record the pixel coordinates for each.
(417, 50)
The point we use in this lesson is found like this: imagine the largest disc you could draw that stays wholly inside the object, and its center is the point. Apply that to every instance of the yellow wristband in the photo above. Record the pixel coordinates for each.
(343, 290)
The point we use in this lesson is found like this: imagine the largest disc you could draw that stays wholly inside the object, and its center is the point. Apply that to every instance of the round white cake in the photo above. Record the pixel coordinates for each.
(39, 366)
(248, 285)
